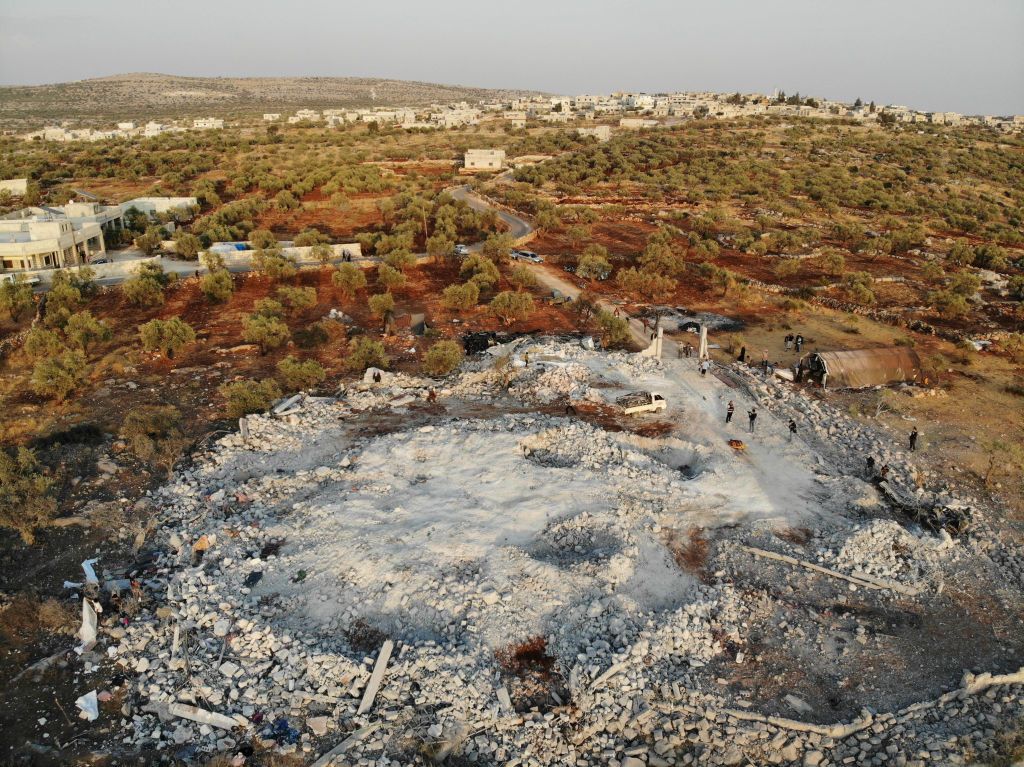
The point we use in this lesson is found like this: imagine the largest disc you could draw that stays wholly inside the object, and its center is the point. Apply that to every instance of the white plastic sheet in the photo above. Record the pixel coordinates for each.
(87, 633)
(90, 574)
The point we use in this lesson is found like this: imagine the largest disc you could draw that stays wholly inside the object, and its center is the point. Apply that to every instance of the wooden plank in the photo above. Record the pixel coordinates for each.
(376, 677)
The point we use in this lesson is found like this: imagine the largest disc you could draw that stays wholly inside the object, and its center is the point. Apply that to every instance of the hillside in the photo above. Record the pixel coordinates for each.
(145, 95)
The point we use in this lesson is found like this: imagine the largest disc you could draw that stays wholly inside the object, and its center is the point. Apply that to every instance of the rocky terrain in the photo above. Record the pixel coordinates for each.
(417, 571)
(145, 95)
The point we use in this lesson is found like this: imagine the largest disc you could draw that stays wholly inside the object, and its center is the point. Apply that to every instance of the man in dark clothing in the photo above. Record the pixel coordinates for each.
(743, 354)
(799, 342)
(792, 429)
(729, 411)
(689, 350)
(913, 440)
(376, 376)
(752, 415)
(871, 466)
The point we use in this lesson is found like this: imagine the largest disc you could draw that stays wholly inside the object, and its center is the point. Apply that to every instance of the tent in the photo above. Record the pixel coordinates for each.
(860, 368)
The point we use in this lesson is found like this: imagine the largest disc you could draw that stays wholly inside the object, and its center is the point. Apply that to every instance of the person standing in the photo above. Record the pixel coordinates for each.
(743, 354)
(789, 341)
(752, 416)
(792, 429)
(799, 342)
(729, 411)
(913, 440)
(871, 466)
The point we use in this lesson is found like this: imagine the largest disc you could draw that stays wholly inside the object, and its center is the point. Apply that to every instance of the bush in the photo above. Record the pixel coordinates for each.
(310, 237)
(788, 267)
(614, 330)
(153, 434)
(363, 353)
(400, 259)
(166, 336)
(41, 342)
(27, 502)
(593, 266)
(262, 239)
(146, 288)
(212, 260)
(322, 252)
(82, 329)
(271, 263)
(244, 397)
(381, 304)
(16, 297)
(150, 241)
(267, 331)
(58, 376)
(297, 298)
(460, 297)
(296, 375)
(442, 358)
(497, 247)
(832, 262)
(389, 277)
(522, 277)
(949, 303)
(187, 245)
(268, 307)
(350, 278)
(647, 285)
(217, 286)
(312, 335)
(510, 306)
(481, 271)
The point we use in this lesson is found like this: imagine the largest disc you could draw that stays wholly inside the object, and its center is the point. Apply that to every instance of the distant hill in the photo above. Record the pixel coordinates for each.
(144, 95)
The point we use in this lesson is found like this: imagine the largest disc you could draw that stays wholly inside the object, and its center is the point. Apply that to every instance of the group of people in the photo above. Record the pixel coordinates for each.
(792, 341)
(730, 410)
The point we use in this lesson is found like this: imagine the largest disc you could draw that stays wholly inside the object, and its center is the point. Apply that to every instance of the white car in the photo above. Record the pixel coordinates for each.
(461, 250)
(529, 255)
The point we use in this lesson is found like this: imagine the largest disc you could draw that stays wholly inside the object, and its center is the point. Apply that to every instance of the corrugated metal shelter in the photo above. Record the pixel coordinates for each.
(859, 368)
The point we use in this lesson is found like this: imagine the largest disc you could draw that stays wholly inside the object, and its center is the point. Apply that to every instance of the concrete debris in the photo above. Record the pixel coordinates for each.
(88, 706)
(613, 588)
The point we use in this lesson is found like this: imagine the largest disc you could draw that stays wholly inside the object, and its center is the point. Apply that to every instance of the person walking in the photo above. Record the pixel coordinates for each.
(705, 366)
(792, 429)
(752, 415)
(729, 411)
(913, 440)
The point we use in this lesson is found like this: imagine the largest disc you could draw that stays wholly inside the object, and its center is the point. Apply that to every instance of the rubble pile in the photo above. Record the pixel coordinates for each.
(516, 590)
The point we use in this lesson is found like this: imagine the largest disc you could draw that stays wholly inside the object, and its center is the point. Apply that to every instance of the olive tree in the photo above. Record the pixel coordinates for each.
(166, 336)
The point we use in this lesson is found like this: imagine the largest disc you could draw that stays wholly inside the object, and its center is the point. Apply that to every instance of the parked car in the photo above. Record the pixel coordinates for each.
(101, 261)
(571, 268)
(461, 250)
(14, 277)
(529, 255)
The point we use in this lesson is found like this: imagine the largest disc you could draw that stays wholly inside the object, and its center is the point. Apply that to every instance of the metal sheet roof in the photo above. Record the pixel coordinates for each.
(858, 368)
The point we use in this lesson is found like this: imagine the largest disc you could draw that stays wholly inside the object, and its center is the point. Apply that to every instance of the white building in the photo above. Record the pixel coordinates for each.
(271, 117)
(484, 159)
(16, 187)
(636, 123)
(46, 238)
(601, 132)
(207, 123)
(153, 129)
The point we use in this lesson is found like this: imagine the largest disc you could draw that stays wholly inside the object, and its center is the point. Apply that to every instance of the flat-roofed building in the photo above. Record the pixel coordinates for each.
(15, 187)
(484, 159)
(601, 132)
(47, 242)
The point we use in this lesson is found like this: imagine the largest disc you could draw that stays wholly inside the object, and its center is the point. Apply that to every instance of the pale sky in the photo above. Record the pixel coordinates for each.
(943, 55)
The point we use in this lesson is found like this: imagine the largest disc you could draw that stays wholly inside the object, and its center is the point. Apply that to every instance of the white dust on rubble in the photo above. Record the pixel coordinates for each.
(461, 537)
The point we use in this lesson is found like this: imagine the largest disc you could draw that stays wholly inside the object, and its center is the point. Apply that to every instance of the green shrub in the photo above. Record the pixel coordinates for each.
(381, 304)
(296, 375)
(27, 501)
(272, 263)
(510, 306)
(311, 336)
(166, 336)
(389, 277)
(460, 297)
(267, 331)
(522, 277)
(297, 298)
(218, 286)
(614, 330)
(57, 377)
(363, 353)
(350, 278)
(16, 297)
(593, 266)
(154, 435)
(82, 329)
(481, 271)
(41, 342)
(442, 358)
(268, 307)
(244, 397)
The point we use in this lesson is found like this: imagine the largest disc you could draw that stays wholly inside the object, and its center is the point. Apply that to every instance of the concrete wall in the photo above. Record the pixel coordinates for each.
(116, 269)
